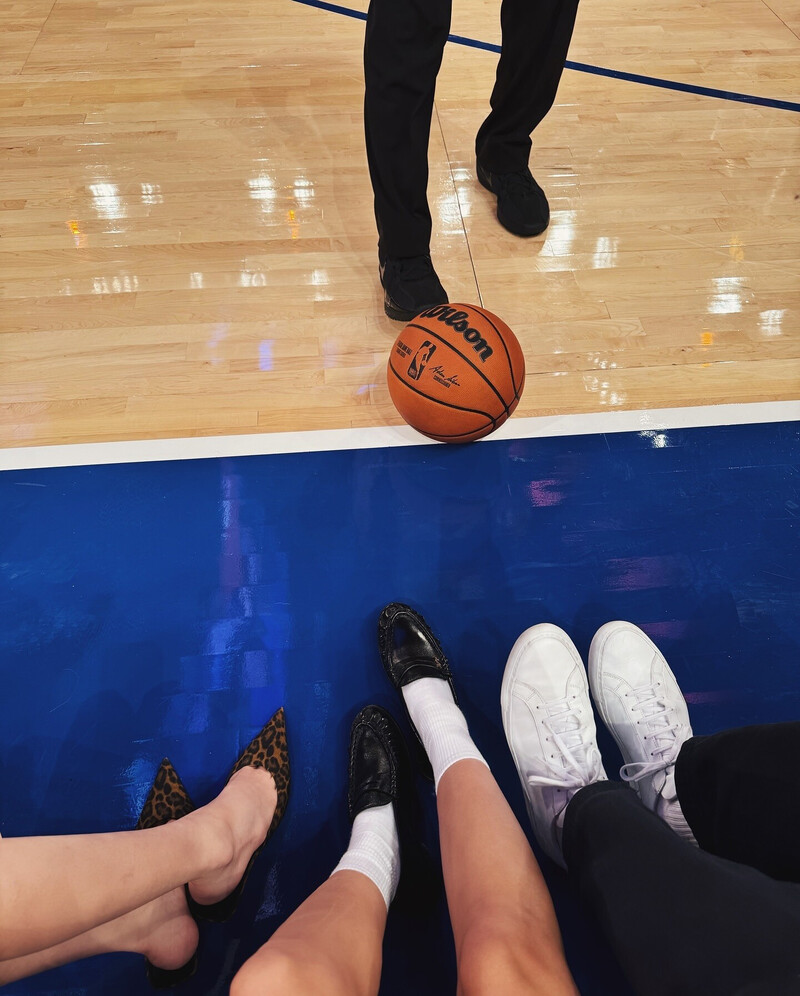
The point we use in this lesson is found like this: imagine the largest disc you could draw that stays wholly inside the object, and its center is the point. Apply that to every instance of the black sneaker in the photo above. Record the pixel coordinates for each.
(522, 206)
(410, 285)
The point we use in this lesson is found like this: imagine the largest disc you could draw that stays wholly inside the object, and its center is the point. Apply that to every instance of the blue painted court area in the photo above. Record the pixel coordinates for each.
(169, 608)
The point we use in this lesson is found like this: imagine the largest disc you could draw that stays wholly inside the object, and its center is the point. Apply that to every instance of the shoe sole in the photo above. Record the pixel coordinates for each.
(397, 314)
(599, 641)
(527, 233)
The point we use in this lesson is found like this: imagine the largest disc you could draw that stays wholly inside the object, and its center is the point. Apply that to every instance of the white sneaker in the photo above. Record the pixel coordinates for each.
(641, 703)
(547, 716)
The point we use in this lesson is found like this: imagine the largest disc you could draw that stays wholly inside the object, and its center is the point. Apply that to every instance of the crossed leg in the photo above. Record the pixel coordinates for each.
(63, 898)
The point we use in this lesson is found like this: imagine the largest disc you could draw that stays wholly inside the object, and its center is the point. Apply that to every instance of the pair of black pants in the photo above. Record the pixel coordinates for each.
(682, 921)
(403, 51)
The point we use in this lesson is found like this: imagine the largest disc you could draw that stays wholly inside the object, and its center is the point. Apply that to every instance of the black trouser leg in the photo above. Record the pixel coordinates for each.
(536, 37)
(680, 921)
(403, 51)
(740, 793)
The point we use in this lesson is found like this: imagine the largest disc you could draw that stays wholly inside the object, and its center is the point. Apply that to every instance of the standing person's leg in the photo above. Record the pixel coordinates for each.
(536, 38)
(719, 927)
(506, 935)
(402, 53)
(332, 944)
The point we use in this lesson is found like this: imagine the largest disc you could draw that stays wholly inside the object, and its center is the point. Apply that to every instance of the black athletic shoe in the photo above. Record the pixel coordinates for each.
(522, 206)
(410, 285)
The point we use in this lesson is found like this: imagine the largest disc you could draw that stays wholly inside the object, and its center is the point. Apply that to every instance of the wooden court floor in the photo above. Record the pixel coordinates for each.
(187, 244)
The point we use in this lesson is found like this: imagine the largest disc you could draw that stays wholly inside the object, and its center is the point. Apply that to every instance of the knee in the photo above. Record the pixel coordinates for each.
(266, 973)
(496, 958)
(276, 972)
(485, 962)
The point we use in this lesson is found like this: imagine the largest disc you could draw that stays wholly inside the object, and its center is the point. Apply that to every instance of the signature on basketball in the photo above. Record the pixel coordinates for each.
(440, 377)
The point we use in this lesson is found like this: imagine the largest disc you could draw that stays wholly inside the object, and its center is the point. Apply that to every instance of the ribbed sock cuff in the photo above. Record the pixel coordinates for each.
(441, 725)
(374, 850)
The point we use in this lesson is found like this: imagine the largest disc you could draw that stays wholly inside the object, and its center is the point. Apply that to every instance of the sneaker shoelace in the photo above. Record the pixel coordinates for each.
(650, 703)
(580, 758)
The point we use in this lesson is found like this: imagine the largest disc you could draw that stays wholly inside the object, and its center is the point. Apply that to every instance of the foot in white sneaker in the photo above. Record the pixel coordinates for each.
(641, 703)
(547, 716)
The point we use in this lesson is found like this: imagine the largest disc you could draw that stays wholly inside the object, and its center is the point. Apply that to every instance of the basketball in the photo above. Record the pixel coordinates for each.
(456, 372)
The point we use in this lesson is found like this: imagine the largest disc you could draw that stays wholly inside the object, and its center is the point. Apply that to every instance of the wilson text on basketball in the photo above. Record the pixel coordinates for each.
(458, 321)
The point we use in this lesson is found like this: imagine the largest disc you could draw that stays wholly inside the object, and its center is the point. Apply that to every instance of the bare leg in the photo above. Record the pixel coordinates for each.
(162, 930)
(54, 888)
(330, 946)
(506, 934)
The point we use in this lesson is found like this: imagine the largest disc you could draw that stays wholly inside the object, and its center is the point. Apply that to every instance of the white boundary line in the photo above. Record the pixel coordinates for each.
(255, 444)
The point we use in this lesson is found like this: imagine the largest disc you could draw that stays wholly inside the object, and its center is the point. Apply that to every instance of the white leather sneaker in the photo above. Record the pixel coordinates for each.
(547, 716)
(641, 703)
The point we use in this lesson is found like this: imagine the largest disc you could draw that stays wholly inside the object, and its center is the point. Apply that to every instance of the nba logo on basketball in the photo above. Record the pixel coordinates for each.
(421, 359)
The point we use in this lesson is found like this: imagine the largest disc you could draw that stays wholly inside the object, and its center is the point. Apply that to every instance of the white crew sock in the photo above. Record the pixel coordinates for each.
(440, 723)
(374, 850)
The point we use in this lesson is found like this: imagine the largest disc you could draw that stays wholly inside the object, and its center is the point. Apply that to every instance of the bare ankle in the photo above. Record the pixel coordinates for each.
(216, 838)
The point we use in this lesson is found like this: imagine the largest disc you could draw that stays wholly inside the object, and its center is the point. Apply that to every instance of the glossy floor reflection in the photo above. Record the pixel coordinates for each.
(188, 247)
(169, 608)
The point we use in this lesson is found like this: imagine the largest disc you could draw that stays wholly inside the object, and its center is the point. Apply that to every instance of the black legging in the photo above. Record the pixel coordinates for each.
(403, 51)
(740, 793)
(682, 921)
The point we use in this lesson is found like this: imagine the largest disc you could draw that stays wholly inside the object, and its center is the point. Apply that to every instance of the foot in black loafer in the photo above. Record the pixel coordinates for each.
(410, 285)
(415, 663)
(522, 206)
(387, 820)
(379, 776)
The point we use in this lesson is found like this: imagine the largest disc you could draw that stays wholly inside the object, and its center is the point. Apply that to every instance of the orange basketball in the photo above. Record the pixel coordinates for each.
(456, 372)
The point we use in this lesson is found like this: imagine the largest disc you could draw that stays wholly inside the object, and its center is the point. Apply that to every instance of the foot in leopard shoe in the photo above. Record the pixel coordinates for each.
(263, 767)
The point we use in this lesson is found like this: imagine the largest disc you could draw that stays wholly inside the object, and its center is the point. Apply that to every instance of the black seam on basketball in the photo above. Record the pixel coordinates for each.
(467, 360)
(446, 404)
(500, 337)
(455, 435)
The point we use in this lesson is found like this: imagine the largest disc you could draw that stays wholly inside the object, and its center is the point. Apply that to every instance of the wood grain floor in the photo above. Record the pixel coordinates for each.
(187, 244)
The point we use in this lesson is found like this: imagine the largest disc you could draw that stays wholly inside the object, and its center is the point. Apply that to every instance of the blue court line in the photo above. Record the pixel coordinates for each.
(582, 67)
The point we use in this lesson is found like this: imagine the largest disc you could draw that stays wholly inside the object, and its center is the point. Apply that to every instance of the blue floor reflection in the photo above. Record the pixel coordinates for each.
(170, 608)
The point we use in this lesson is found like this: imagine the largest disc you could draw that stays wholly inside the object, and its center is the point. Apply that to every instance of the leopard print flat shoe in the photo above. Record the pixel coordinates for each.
(167, 800)
(269, 750)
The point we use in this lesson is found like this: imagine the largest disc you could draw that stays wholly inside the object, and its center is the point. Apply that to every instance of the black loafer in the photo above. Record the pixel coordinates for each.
(380, 773)
(409, 651)
(377, 755)
(522, 207)
(410, 286)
